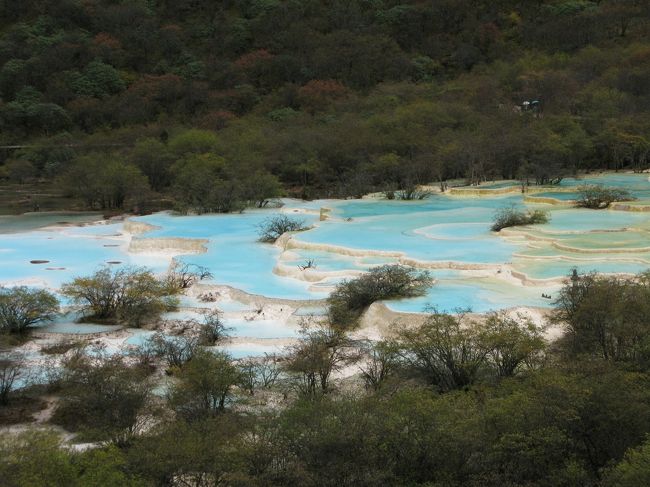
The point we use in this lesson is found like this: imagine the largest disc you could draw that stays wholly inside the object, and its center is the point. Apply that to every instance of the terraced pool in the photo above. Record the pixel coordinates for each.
(439, 233)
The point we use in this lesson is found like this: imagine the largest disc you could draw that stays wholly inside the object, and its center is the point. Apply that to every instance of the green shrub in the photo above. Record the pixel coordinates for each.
(513, 217)
(61, 347)
(22, 307)
(598, 197)
(175, 351)
(102, 396)
(212, 330)
(124, 295)
(204, 385)
(271, 229)
(351, 297)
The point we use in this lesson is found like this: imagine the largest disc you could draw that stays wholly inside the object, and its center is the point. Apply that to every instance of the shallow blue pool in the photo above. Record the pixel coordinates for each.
(439, 229)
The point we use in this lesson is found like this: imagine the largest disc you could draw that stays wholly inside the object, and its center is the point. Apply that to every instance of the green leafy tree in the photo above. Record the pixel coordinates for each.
(259, 188)
(512, 217)
(351, 297)
(212, 329)
(35, 458)
(599, 197)
(154, 160)
(13, 76)
(204, 385)
(606, 316)
(107, 466)
(105, 182)
(204, 451)
(193, 142)
(12, 368)
(198, 180)
(633, 470)
(126, 294)
(321, 352)
(20, 171)
(381, 364)
(22, 307)
(272, 228)
(447, 350)
(176, 351)
(103, 397)
(513, 343)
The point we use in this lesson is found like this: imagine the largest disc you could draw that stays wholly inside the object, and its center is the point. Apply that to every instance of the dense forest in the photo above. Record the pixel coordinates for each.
(213, 106)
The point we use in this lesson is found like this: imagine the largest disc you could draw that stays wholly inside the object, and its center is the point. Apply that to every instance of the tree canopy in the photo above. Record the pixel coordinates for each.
(218, 106)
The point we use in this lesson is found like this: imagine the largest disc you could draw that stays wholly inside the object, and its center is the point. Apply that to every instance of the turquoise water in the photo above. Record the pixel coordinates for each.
(324, 261)
(574, 219)
(33, 221)
(436, 203)
(557, 195)
(548, 270)
(225, 305)
(138, 337)
(438, 229)
(331, 261)
(456, 231)
(72, 328)
(637, 184)
(260, 327)
(311, 311)
(479, 295)
(67, 324)
(234, 255)
(418, 229)
(245, 350)
(75, 251)
(502, 184)
(235, 350)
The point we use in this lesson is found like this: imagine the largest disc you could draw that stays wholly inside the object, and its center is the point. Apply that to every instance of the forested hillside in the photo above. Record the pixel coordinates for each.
(233, 102)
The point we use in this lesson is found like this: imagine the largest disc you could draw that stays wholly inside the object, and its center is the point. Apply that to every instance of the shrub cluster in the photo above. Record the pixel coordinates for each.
(125, 295)
(22, 308)
(441, 390)
(513, 217)
(351, 297)
(598, 197)
(272, 228)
